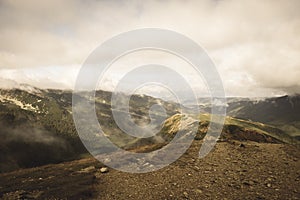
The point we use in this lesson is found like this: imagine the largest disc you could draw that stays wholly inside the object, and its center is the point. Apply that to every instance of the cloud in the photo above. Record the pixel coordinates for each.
(255, 44)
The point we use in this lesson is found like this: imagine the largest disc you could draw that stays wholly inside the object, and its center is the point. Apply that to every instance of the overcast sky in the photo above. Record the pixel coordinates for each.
(254, 44)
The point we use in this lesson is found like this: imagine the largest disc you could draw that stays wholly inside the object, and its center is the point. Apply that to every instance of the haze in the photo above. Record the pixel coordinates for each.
(254, 44)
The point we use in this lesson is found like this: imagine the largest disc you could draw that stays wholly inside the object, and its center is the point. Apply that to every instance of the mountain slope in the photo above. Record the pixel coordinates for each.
(281, 112)
(37, 128)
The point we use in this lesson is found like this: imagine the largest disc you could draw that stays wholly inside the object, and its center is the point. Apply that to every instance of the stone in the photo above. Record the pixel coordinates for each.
(104, 170)
(185, 194)
(199, 191)
(242, 145)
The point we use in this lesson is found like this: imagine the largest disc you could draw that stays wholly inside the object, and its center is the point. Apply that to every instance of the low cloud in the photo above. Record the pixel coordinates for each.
(25, 146)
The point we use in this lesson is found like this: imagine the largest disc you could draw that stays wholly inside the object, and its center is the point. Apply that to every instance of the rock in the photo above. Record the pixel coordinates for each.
(104, 170)
(269, 185)
(237, 187)
(248, 183)
(198, 191)
(242, 145)
(185, 194)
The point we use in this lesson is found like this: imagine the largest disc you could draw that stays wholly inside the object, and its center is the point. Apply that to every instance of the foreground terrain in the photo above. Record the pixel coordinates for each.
(233, 170)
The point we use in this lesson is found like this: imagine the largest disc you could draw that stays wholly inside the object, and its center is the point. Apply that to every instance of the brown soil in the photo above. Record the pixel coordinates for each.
(230, 171)
(71, 180)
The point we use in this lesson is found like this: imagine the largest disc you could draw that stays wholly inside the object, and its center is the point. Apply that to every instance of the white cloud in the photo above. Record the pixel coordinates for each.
(255, 44)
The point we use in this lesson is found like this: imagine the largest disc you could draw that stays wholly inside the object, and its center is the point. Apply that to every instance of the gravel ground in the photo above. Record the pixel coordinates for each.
(231, 171)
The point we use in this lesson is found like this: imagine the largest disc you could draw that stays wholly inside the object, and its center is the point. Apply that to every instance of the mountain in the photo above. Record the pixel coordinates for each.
(37, 128)
(281, 112)
(42, 156)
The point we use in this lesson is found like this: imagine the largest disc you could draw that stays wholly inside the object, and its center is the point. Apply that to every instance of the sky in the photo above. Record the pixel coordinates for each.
(254, 44)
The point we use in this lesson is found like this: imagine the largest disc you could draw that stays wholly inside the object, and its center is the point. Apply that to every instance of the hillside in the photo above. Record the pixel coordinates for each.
(37, 127)
(234, 129)
(281, 112)
(233, 170)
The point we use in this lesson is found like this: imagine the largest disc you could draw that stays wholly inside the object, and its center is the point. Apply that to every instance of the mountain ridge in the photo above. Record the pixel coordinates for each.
(48, 114)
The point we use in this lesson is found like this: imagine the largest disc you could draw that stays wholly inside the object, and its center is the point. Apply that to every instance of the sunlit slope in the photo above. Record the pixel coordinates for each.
(234, 129)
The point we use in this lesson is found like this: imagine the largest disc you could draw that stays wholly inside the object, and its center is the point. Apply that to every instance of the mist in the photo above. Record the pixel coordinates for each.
(24, 146)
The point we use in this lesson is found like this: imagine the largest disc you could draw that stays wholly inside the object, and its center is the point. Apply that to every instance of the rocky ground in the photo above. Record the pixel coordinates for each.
(233, 170)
